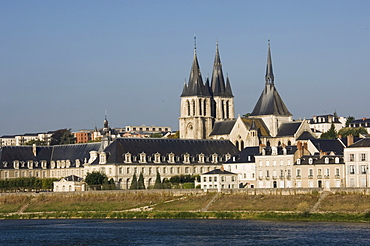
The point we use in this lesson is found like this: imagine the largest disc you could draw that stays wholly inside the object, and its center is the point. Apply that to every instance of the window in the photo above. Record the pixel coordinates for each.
(337, 172)
(351, 169)
(233, 178)
(326, 160)
(222, 179)
(186, 170)
(351, 157)
(310, 161)
(327, 172)
(363, 157)
(150, 170)
(204, 179)
(298, 172)
(267, 173)
(215, 179)
(210, 179)
(310, 172)
(363, 169)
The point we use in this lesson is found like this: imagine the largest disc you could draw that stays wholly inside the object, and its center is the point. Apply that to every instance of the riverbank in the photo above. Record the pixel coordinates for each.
(313, 205)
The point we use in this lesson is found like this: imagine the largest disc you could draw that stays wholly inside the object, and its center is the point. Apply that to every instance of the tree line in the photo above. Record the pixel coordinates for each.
(27, 184)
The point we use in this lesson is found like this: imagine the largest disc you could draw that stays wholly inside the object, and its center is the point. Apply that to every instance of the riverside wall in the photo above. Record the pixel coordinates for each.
(181, 192)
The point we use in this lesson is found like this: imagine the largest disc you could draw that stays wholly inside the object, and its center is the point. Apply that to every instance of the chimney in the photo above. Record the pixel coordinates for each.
(299, 147)
(34, 149)
(349, 140)
(321, 154)
(222, 168)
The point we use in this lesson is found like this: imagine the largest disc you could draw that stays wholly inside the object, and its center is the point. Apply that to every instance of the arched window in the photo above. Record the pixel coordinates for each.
(188, 106)
(268, 144)
(237, 144)
(200, 107)
(204, 107)
(241, 145)
(289, 143)
(193, 107)
(227, 109)
(222, 109)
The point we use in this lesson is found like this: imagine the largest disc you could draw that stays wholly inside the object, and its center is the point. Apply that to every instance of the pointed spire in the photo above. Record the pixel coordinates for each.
(218, 82)
(195, 85)
(228, 87)
(269, 77)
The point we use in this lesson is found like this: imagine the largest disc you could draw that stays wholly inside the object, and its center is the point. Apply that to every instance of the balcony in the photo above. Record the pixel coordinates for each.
(310, 176)
(337, 176)
(267, 177)
(298, 177)
(319, 176)
(327, 176)
(274, 177)
(260, 177)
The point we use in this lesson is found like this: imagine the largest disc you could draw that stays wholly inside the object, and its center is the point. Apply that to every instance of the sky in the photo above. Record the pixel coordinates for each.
(63, 64)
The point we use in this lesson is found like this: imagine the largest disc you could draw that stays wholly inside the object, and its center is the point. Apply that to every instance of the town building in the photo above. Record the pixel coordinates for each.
(356, 158)
(218, 179)
(69, 184)
(364, 122)
(322, 123)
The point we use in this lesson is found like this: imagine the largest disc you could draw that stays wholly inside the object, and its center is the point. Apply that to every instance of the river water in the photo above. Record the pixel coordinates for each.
(180, 232)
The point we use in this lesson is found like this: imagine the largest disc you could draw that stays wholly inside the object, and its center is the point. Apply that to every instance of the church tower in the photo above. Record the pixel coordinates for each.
(223, 99)
(195, 114)
(270, 107)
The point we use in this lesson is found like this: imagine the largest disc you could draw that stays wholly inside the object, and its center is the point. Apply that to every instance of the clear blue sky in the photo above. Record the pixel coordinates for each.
(62, 63)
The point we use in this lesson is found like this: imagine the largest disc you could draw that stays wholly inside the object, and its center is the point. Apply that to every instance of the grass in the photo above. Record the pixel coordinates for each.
(89, 205)
(243, 202)
(95, 201)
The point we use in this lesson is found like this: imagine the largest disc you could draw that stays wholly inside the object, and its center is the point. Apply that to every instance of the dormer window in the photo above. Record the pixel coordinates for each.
(157, 158)
(186, 158)
(298, 161)
(128, 158)
(52, 164)
(326, 160)
(227, 157)
(171, 158)
(336, 159)
(5, 164)
(214, 158)
(43, 164)
(30, 164)
(78, 163)
(201, 158)
(68, 163)
(142, 158)
(23, 164)
(102, 158)
(310, 161)
(16, 164)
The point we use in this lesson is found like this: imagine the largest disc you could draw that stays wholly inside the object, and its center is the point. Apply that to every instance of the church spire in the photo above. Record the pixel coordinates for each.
(195, 85)
(269, 77)
(218, 82)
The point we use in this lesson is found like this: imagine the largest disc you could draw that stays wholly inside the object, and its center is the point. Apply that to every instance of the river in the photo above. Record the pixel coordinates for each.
(180, 232)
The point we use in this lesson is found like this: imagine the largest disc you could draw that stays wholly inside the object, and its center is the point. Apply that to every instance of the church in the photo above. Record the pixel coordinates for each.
(207, 111)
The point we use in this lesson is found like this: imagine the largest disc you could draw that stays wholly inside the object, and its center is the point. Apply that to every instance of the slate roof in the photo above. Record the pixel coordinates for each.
(218, 87)
(223, 127)
(244, 156)
(219, 171)
(364, 142)
(73, 151)
(270, 102)
(305, 136)
(195, 86)
(327, 118)
(72, 178)
(256, 123)
(290, 150)
(151, 146)
(319, 161)
(329, 145)
(288, 129)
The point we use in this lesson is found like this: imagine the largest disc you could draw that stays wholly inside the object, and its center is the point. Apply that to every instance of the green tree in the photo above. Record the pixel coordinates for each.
(158, 182)
(62, 136)
(330, 134)
(344, 132)
(166, 184)
(95, 178)
(156, 135)
(349, 120)
(140, 182)
(134, 183)
(36, 141)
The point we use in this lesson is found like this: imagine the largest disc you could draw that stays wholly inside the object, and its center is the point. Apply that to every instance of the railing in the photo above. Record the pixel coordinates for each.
(310, 176)
(319, 176)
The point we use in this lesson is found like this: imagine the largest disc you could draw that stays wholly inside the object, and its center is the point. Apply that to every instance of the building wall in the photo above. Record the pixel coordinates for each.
(357, 166)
